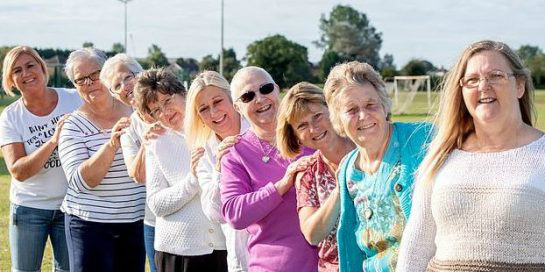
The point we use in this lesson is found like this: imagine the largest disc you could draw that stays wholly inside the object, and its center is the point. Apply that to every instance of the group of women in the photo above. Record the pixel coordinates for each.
(226, 177)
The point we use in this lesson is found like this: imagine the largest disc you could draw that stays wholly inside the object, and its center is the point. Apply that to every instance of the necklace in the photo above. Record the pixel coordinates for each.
(266, 156)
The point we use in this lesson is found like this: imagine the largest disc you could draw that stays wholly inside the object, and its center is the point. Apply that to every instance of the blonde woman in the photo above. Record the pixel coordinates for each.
(479, 201)
(211, 118)
(29, 136)
(303, 120)
(376, 179)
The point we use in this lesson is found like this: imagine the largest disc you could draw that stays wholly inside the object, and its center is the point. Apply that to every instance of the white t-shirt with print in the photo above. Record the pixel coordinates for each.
(47, 188)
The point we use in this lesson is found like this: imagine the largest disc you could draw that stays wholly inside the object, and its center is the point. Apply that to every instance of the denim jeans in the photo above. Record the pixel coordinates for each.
(149, 239)
(29, 229)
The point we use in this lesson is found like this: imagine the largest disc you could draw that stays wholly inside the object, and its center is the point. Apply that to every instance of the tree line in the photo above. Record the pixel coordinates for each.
(345, 34)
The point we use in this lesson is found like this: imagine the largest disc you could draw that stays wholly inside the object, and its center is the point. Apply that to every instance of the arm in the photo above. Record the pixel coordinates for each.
(209, 180)
(241, 204)
(136, 165)
(22, 166)
(417, 244)
(316, 222)
(168, 187)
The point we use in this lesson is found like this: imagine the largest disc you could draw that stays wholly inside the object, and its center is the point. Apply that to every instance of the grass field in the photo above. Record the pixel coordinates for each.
(417, 112)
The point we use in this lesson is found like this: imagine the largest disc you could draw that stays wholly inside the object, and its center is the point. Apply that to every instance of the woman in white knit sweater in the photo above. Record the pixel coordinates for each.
(480, 198)
(185, 240)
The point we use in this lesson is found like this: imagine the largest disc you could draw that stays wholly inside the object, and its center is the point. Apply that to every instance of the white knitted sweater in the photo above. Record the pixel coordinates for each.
(483, 208)
(181, 228)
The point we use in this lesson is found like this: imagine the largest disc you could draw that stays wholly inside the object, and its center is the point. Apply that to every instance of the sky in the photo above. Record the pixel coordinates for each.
(435, 30)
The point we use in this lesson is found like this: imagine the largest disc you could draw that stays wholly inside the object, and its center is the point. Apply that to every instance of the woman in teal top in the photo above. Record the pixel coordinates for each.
(376, 179)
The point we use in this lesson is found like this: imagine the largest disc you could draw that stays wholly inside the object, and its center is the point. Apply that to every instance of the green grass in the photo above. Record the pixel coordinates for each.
(417, 112)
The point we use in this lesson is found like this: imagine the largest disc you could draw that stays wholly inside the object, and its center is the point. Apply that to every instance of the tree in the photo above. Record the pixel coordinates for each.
(190, 67)
(88, 45)
(349, 33)
(209, 63)
(116, 49)
(156, 58)
(534, 58)
(417, 67)
(286, 61)
(230, 63)
(329, 59)
(387, 66)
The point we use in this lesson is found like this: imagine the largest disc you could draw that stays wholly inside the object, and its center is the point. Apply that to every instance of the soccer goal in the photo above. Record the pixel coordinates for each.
(404, 89)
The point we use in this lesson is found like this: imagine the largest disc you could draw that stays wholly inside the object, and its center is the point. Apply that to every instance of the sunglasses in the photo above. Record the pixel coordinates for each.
(248, 96)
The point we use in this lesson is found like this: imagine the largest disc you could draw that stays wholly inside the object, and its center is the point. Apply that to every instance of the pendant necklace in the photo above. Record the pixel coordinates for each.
(266, 156)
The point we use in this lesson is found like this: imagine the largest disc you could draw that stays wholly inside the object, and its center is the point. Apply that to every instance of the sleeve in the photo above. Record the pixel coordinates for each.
(209, 180)
(8, 131)
(130, 143)
(417, 244)
(307, 195)
(169, 189)
(73, 152)
(241, 205)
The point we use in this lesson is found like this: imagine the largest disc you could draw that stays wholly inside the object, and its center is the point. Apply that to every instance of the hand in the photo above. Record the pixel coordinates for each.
(58, 128)
(295, 167)
(224, 147)
(155, 130)
(196, 155)
(117, 131)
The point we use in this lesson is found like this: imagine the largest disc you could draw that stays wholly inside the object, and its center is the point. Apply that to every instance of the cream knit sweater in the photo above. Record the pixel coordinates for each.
(483, 212)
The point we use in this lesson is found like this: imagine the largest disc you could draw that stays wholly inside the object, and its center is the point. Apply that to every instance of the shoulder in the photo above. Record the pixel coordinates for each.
(75, 124)
(415, 134)
(169, 145)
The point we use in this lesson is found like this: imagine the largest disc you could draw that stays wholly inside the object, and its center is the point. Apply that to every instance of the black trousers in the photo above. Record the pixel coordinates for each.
(213, 262)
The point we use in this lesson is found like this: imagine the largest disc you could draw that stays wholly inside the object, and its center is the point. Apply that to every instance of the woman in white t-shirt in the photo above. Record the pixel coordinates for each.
(29, 134)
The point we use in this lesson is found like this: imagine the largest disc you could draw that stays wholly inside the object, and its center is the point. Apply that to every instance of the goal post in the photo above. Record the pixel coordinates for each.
(405, 89)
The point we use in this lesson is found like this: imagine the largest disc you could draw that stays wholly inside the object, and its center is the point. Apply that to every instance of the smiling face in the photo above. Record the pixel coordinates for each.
(261, 111)
(27, 74)
(169, 110)
(488, 103)
(362, 116)
(91, 91)
(217, 112)
(122, 84)
(313, 128)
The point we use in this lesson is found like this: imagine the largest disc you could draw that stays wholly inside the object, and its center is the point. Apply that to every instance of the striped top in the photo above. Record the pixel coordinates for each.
(117, 199)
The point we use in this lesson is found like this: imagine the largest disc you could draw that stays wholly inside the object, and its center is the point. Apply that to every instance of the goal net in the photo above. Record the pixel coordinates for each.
(407, 93)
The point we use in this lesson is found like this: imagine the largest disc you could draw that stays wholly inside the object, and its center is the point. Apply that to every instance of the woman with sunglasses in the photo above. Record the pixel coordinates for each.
(257, 185)
(480, 197)
(118, 75)
(185, 240)
(104, 207)
(29, 134)
(210, 120)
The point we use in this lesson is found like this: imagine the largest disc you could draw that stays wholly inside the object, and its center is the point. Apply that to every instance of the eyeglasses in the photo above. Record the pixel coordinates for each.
(157, 112)
(494, 77)
(92, 77)
(119, 86)
(248, 96)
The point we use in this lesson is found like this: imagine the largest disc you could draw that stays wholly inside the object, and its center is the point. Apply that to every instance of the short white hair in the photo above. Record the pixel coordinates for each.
(107, 70)
(92, 53)
(240, 74)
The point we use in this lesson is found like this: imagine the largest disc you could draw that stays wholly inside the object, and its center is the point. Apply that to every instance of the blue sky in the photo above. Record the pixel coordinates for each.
(434, 30)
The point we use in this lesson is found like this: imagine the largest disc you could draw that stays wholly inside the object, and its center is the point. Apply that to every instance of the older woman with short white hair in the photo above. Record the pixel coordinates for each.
(104, 206)
(376, 179)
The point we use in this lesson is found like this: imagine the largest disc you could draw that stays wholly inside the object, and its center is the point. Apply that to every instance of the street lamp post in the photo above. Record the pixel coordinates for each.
(221, 52)
(125, 3)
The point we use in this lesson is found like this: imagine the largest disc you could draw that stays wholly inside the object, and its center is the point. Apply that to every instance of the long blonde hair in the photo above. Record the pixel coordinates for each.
(196, 132)
(453, 121)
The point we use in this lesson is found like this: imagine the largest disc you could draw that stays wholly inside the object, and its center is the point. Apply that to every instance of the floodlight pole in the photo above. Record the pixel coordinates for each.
(125, 3)
(221, 52)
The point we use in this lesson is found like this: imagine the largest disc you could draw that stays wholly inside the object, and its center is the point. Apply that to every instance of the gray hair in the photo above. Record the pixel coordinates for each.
(123, 59)
(95, 54)
(240, 74)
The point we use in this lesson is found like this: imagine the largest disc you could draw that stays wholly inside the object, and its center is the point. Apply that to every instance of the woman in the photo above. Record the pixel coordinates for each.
(376, 179)
(185, 240)
(479, 201)
(304, 121)
(104, 206)
(211, 118)
(257, 191)
(29, 134)
(118, 75)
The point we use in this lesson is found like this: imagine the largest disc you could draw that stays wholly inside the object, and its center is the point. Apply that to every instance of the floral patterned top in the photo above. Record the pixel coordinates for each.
(315, 186)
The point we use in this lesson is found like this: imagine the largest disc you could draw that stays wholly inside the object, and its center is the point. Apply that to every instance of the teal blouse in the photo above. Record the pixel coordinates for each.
(374, 208)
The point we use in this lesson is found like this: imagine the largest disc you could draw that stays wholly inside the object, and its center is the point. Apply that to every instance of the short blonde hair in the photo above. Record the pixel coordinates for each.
(348, 75)
(107, 71)
(196, 132)
(9, 61)
(292, 108)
